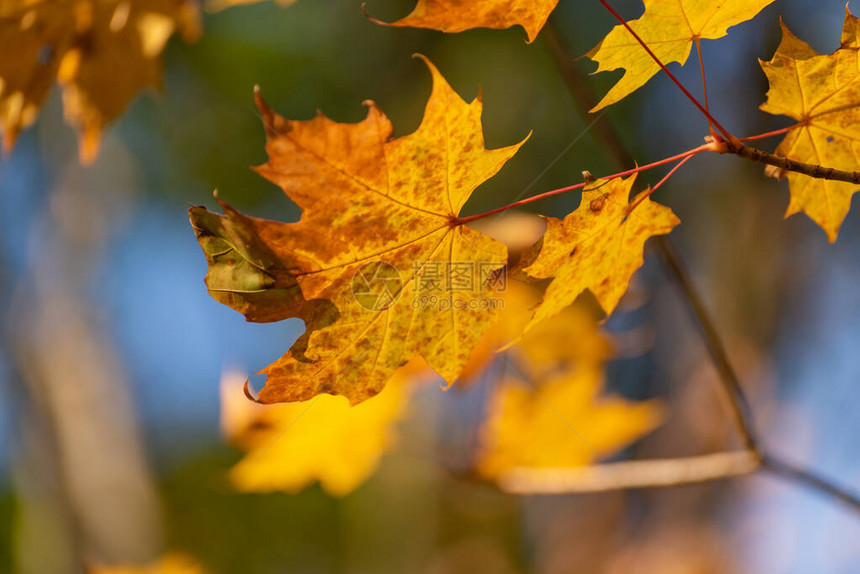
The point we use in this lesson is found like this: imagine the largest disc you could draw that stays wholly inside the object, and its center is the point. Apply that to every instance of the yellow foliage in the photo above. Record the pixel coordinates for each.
(597, 247)
(290, 446)
(535, 423)
(173, 563)
(822, 92)
(574, 337)
(561, 423)
(102, 52)
(669, 28)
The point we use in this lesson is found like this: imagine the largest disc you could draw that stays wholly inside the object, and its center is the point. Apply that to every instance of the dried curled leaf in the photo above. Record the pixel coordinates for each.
(560, 423)
(459, 15)
(669, 28)
(102, 52)
(290, 446)
(822, 92)
(247, 271)
(378, 216)
(597, 247)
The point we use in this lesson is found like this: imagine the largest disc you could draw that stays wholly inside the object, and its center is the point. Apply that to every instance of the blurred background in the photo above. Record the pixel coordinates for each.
(112, 350)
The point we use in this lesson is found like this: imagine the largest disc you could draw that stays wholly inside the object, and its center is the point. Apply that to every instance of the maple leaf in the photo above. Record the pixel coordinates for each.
(561, 363)
(822, 92)
(102, 52)
(377, 215)
(574, 338)
(328, 440)
(669, 28)
(172, 563)
(532, 426)
(597, 247)
(460, 15)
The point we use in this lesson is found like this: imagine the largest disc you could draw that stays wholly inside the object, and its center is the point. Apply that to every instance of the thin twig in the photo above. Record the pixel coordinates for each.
(716, 349)
(809, 479)
(769, 134)
(654, 473)
(681, 156)
(704, 83)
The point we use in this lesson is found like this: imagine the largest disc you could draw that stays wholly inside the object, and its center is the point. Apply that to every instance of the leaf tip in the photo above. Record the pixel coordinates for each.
(367, 15)
(247, 390)
(266, 112)
(426, 60)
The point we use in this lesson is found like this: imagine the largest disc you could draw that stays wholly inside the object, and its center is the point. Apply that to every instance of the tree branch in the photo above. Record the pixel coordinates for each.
(810, 480)
(738, 402)
(784, 163)
(655, 473)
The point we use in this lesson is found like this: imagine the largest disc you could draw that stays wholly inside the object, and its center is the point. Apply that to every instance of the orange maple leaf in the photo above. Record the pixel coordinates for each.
(379, 216)
(822, 92)
(102, 52)
(460, 15)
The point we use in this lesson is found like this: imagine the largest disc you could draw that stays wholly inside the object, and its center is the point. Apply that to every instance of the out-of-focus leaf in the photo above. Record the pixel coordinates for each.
(290, 446)
(102, 52)
(562, 422)
(173, 563)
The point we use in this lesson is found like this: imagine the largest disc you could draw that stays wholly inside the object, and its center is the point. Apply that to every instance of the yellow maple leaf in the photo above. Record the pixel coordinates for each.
(822, 92)
(460, 15)
(573, 338)
(379, 216)
(102, 52)
(597, 247)
(669, 28)
(560, 423)
(290, 446)
(172, 563)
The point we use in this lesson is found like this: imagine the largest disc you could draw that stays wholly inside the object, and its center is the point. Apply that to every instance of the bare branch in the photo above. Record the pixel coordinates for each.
(654, 473)
(786, 164)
